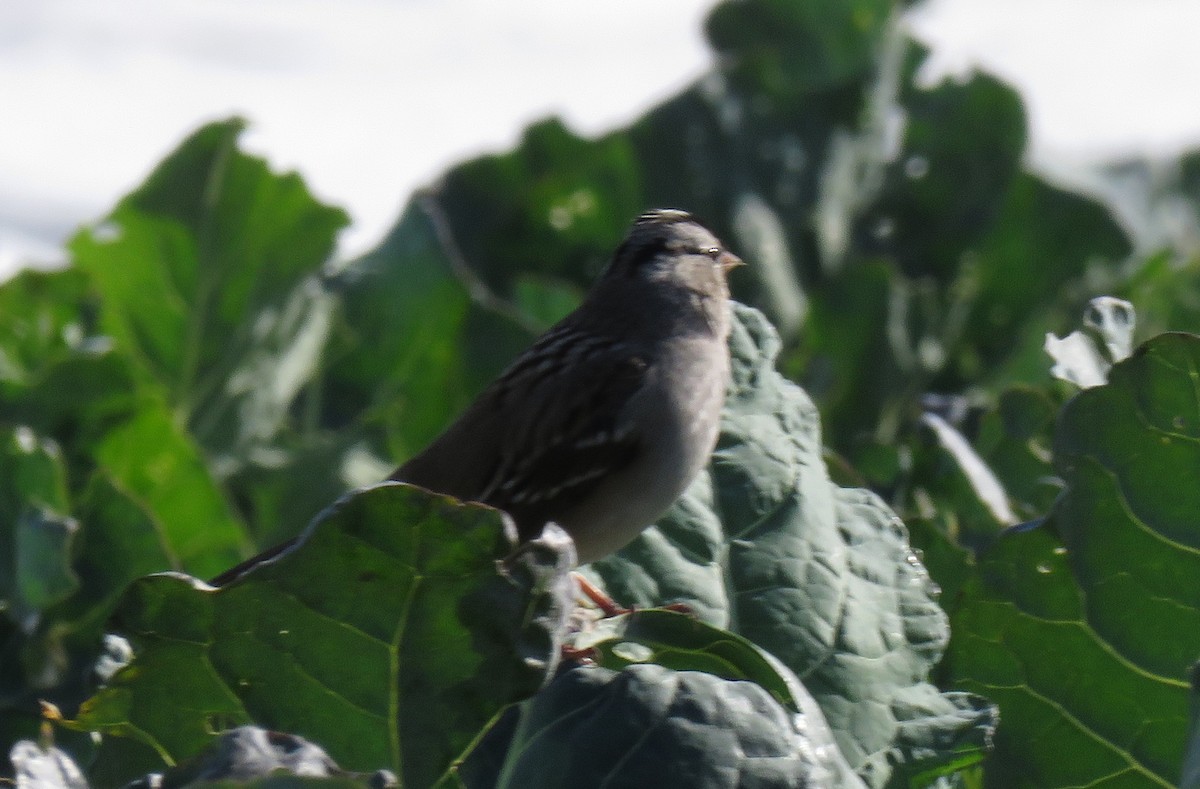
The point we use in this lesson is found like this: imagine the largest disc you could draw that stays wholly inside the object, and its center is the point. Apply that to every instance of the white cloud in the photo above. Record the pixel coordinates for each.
(371, 98)
(368, 99)
(1100, 78)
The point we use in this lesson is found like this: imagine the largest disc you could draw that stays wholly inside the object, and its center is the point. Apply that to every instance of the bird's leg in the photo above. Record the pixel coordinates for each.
(605, 603)
(587, 655)
(610, 607)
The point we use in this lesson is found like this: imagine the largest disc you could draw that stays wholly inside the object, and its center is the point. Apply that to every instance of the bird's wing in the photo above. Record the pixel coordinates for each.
(545, 433)
(564, 439)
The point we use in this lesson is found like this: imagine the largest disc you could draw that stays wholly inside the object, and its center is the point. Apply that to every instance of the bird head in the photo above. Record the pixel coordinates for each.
(673, 247)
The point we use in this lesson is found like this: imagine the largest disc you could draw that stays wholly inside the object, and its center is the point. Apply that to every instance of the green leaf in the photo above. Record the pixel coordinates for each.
(104, 413)
(1085, 638)
(280, 497)
(934, 539)
(121, 541)
(34, 528)
(1015, 439)
(107, 421)
(1191, 761)
(1012, 440)
(851, 320)
(821, 577)
(43, 557)
(78, 398)
(683, 643)
(43, 315)
(1166, 292)
(799, 46)
(962, 147)
(565, 196)
(400, 360)
(154, 460)
(391, 635)
(199, 271)
(651, 726)
(417, 336)
(1043, 239)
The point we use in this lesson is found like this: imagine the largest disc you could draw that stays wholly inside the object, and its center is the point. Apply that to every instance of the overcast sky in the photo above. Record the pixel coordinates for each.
(371, 98)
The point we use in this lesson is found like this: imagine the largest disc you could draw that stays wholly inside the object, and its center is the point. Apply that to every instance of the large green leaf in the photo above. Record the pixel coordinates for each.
(413, 343)
(414, 337)
(152, 458)
(799, 46)
(943, 190)
(1005, 478)
(121, 540)
(200, 269)
(1031, 274)
(57, 376)
(89, 395)
(1085, 632)
(650, 726)
(744, 148)
(108, 422)
(391, 635)
(42, 316)
(821, 577)
(854, 318)
(681, 642)
(567, 197)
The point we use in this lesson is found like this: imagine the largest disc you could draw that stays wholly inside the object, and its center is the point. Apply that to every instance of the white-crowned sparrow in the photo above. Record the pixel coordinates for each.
(601, 424)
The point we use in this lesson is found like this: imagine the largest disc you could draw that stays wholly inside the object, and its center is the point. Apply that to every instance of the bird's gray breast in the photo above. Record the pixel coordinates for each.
(677, 413)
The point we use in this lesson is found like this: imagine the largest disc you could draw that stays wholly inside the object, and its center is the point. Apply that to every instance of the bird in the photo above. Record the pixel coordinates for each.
(602, 423)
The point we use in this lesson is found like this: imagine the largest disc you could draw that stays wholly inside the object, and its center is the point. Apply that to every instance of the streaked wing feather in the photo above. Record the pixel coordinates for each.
(576, 440)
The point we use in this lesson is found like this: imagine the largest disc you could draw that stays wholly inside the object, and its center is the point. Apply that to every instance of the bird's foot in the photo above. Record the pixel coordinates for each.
(606, 604)
(611, 608)
(586, 655)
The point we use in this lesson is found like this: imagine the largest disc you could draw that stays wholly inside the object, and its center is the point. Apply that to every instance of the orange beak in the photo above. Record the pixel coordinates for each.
(730, 261)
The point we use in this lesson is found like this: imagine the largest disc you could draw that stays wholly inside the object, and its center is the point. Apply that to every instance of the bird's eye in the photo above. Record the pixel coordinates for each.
(712, 252)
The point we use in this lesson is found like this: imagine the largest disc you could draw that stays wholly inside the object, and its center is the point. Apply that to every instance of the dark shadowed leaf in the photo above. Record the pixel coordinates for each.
(1191, 762)
(120, 541)
(35, 530)
(400, 363)
(783, 46)
(821, 577)
(43, 557)
(962, 147)
(683, 643)
(1084, 630)
(391, 635)
(651, 726)
(1043, 240)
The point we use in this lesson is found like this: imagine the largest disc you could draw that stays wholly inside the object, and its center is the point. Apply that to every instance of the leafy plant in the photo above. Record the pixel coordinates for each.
(203, 380)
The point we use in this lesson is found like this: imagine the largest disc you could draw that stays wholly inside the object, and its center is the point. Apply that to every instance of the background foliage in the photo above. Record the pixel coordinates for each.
(204, 379)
